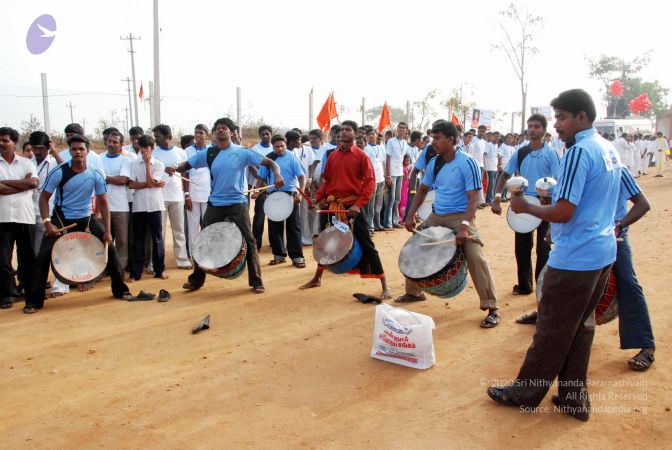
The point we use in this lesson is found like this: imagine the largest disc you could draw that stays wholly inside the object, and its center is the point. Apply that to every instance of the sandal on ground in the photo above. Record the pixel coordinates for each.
(579, 412)
(299, 263)
(516, 291)
(364, 298)
(276, 261)
(409, 298)
(190, 286)
(501, 395)
(528, 319)
(490, 321)
(142, 296)
(30, 309)
(164, 295)
(258, 289)
(641, 361)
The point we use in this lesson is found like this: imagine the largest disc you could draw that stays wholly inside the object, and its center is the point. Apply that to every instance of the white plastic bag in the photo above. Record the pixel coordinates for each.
(403, 337)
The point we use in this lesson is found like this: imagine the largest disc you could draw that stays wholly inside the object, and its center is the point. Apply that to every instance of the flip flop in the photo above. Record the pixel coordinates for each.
(141, 297)
(364, 298)
(202, 325)
(490, 321)
(528, 319)
(164, 295)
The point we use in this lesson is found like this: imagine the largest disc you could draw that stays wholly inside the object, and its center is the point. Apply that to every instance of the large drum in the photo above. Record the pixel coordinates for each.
(439, 270)
(278, 206)
(607, 308)
(337, 249)
(220, 250)
(425, 209)
(78, 258)
(523, 222)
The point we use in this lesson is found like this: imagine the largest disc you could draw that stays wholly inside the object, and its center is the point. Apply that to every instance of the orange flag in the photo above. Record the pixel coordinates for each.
(455, 120)
(327, 113)
(384, 119)
(141, 94)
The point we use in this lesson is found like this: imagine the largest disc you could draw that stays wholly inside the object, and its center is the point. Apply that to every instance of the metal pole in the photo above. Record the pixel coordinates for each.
(157, 78)
(363, 110)
(126, 118)
(130, 103)
(310, 109)
(238, 109)
(408, 113)
(45, 103)
(150, 98)
(131, 38)
(70, 105)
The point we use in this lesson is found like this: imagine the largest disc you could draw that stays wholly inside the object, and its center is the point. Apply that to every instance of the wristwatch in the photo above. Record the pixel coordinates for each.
(466, 223)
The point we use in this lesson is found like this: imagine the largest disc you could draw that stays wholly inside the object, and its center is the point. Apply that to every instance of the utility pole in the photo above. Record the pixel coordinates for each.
(363, 110)
(157, 87)
(238, 110)
(45, 103)
(71, 106)
(127, 119)
(128, 82)
(408, 113)
(152, 111)
(310, 109)
(131, 38)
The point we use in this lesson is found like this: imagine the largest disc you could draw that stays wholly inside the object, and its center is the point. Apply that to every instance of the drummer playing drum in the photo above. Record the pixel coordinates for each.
(457, 183)
(348, 181)
(533, 161)
(227, 162)
(73, 182)
(294, 175)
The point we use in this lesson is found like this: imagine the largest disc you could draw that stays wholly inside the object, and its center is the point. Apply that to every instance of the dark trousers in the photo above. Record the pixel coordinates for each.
(524, 244)
(239, 215)
(563, 337)
(35, 298)
(492, 184)
(369, 266)
(143, 223)
(259, 219)
(23, 235)
(634, 323)
(276, 235)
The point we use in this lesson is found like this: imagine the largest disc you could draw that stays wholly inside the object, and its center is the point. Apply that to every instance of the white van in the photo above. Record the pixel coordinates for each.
(636, 125)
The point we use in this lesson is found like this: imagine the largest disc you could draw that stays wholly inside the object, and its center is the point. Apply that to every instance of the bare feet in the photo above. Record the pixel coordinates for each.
(85, 287)
(311, 284)
(163, 276)
(131, 280)
(386, 295)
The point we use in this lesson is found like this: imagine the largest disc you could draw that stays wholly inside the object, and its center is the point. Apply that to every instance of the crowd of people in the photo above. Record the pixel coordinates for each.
(127, 195)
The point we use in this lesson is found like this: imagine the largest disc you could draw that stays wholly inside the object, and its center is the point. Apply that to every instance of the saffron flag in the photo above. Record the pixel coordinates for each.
(327, 113)
(384, 119)
(455, 120)
(141, 93)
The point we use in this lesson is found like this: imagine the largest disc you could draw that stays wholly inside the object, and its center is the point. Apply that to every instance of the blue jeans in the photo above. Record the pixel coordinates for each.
(492, 184)
(634, 324)
(373, 207)
(392, 199)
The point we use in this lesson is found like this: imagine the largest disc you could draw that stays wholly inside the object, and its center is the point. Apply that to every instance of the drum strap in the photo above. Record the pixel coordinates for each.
(522, 154)
(210, 157)
(429, 154)
(67, 175)
(339, 204)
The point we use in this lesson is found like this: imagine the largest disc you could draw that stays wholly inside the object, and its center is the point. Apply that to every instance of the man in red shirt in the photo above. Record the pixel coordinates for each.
(348, 181)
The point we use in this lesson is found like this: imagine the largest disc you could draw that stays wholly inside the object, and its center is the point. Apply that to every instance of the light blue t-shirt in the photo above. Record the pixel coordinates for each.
(543, 162)
(290, 169)
(455, 178)
(75, 200)
(421, 163)
(629, 189)
(589, 178)
(228, 173)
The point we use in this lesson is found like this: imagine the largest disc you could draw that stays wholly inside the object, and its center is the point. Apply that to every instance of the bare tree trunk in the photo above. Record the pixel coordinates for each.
(524, 110)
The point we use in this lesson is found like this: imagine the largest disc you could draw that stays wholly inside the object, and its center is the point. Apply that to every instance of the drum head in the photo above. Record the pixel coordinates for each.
(425, 208)
(78, 258)
(524, 223)
(332, 245)
(416, 261)
(217, 245)
(278, 206)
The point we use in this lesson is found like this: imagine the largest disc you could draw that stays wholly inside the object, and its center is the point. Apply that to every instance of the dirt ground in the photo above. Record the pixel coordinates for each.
(291, 368)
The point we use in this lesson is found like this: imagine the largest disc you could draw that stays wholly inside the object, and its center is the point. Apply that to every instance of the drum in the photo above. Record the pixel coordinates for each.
(439, 270)
(524, 223)
(220, 250)
(337, 249)
(78, 258)
(607, 308)
(425, 209)
(278, 206)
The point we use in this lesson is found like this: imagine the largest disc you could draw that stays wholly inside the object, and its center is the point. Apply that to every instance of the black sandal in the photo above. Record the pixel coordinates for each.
(30, 309)
(164, 295)
(641, 361)
(528, 319)
(501, 395)
(364, 298)
(490, 321)
(258, 289)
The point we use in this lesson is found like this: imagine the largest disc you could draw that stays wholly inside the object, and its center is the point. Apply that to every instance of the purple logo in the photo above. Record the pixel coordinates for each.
(41, 34)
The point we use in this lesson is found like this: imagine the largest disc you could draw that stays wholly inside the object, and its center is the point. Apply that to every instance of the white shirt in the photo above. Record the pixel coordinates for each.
(148, 199)
(622, 146)
(92, 160)
(378, 162)
(505, 151)
(199, 179)
(128, 150)
(118, 166)
(414, 152)
(174, 156)
(319, 156)
(306, 157)
(396, 149)
(17, 208)
(47, 165)
(263, 151)
(490, 159)
(476, 150)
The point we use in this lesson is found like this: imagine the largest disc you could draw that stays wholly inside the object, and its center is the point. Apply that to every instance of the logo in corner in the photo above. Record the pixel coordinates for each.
(41, 34)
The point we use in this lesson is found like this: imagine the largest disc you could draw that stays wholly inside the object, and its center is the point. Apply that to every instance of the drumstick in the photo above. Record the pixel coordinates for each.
(106, 246)
(310, 203)
(330, 211)
(447, 241)
(416, 231)
(184, 179)
(60, 230)
(259, 189)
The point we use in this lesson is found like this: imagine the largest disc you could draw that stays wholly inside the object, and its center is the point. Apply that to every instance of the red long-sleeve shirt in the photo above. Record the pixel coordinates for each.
(348, 172)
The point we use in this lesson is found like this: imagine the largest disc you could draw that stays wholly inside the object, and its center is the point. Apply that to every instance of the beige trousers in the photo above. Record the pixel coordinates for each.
(479, 270)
